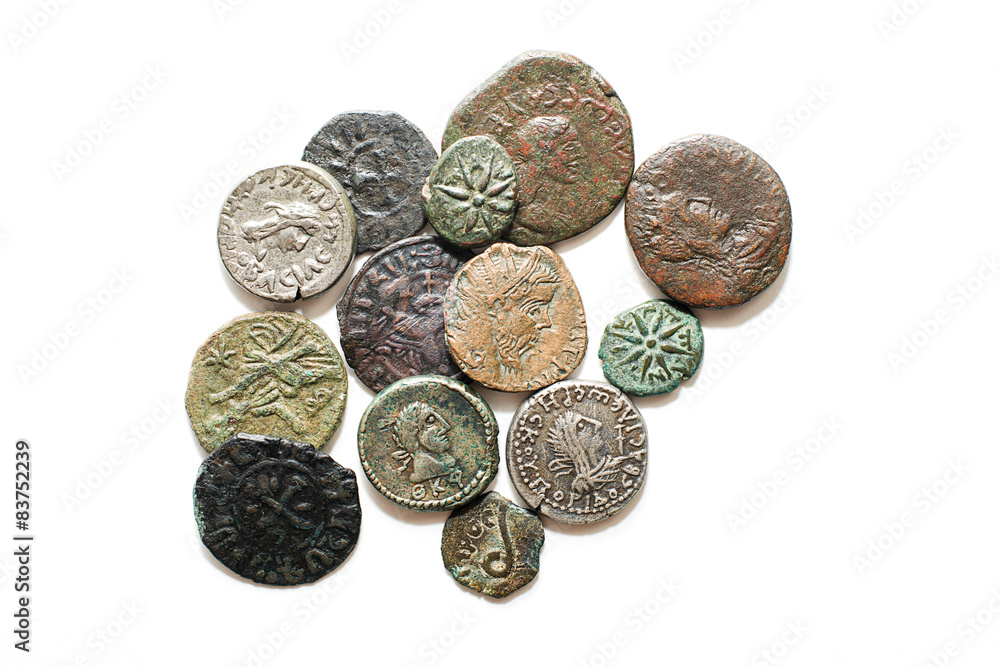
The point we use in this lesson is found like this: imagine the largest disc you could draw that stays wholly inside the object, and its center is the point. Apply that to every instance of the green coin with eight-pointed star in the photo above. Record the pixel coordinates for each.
(648, 350)
(471, 192)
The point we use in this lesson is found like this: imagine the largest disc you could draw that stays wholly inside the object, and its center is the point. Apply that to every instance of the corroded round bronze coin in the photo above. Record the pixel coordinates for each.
(382, 160)
(514, 318)
(709, 222)
(273, 373)
(471, 193)
(429, 443)
(576, 451)
(491, 545)
(392, 317)
(276, 512)
(568, 133)
(287, 232)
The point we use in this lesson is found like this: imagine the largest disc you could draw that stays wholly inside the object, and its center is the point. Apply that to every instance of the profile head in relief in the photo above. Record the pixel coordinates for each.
(286, 226)
(422, 433)
(547, 148)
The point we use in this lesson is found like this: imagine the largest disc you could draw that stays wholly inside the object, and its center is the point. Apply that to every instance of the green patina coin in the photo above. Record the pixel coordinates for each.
(272, 373)
(648, 350)
(429, 443)
(492, 545)
(471, 193)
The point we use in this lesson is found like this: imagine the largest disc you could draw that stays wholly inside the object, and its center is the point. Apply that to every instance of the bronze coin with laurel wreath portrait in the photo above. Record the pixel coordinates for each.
(514, 319)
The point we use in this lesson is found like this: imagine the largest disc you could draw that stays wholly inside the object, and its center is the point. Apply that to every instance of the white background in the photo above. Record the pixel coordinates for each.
(866, 98)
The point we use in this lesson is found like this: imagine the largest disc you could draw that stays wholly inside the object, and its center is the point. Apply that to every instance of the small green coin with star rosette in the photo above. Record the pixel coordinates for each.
(648, 350)
(471, 193)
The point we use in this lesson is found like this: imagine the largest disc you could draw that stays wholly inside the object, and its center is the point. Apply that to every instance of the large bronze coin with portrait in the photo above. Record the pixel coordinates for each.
(514, 318)
(709, 222)
(568, 134)
(429, 443)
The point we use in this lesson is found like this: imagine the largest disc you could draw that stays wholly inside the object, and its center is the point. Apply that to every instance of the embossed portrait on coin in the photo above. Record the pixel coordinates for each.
(422, 436)
(578, 450)
(547, 154)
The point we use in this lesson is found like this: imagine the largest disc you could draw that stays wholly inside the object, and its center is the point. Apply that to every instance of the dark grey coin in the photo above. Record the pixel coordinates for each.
(576, 451)
(276, 512)
(382, 160)
(392, 315)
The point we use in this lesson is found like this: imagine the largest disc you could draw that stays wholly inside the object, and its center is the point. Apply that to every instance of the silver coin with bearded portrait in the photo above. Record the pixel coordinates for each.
(287, 232)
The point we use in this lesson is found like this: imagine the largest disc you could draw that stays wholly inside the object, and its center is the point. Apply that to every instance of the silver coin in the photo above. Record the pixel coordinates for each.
(576, 451)
(287, 232)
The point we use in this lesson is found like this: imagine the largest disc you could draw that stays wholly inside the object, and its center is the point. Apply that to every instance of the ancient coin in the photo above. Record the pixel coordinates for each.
(568, 134)
(709, 222)
(273, 373)
(382, 160)
(648, 350)
(514, 319)
(491, 545)
(576, 451)
(470, 195)
(287, 232)
(429, 443)
(392, 316)
(275, 511)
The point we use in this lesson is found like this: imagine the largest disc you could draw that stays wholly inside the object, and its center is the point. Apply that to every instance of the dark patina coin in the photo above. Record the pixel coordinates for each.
(709, 222)
(275, 511)
(382, 160)
(568, 134)
(471, 193)
(576, 451)
(429, 443)
(391, 316)
(648, 350)
(492, 545)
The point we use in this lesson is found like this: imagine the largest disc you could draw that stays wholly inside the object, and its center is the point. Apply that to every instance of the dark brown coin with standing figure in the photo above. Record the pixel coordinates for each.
(568, 134)
(382, 160)
(275, 511)
(392, 317)
(576, 451)
(492, 545)
(709, 222)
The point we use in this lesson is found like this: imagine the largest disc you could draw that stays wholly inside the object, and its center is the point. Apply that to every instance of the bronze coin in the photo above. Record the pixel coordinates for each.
(392, 316)
(514, 319)
(709, 222)
(568, 134)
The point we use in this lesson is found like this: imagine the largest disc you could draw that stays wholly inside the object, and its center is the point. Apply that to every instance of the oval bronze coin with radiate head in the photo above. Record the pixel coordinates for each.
(273, 373)
(276, 512)
(568, 134)
(429, 443)
(576, 451)
(514, 318)
(709, 222)
(392, 316)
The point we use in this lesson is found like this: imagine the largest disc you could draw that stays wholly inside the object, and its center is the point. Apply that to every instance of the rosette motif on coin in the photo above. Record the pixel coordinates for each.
(276, 512)
(709, 222)
(273, 373)
(576, 451)
(568, 134)
(392, 316)
(514, 318)
(429, 443)
(382, 160)
(287, 232)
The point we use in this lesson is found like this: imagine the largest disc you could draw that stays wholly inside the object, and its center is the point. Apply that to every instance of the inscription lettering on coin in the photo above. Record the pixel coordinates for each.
(287, 232)
(648, 350)
(514, 319)
(382, 160)
(276, 512)
(429, 443)
(275, 373)
(471, 192)
(568, 134)
(576, 451)
(392, 314)
(492, 545)
(709, 222)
